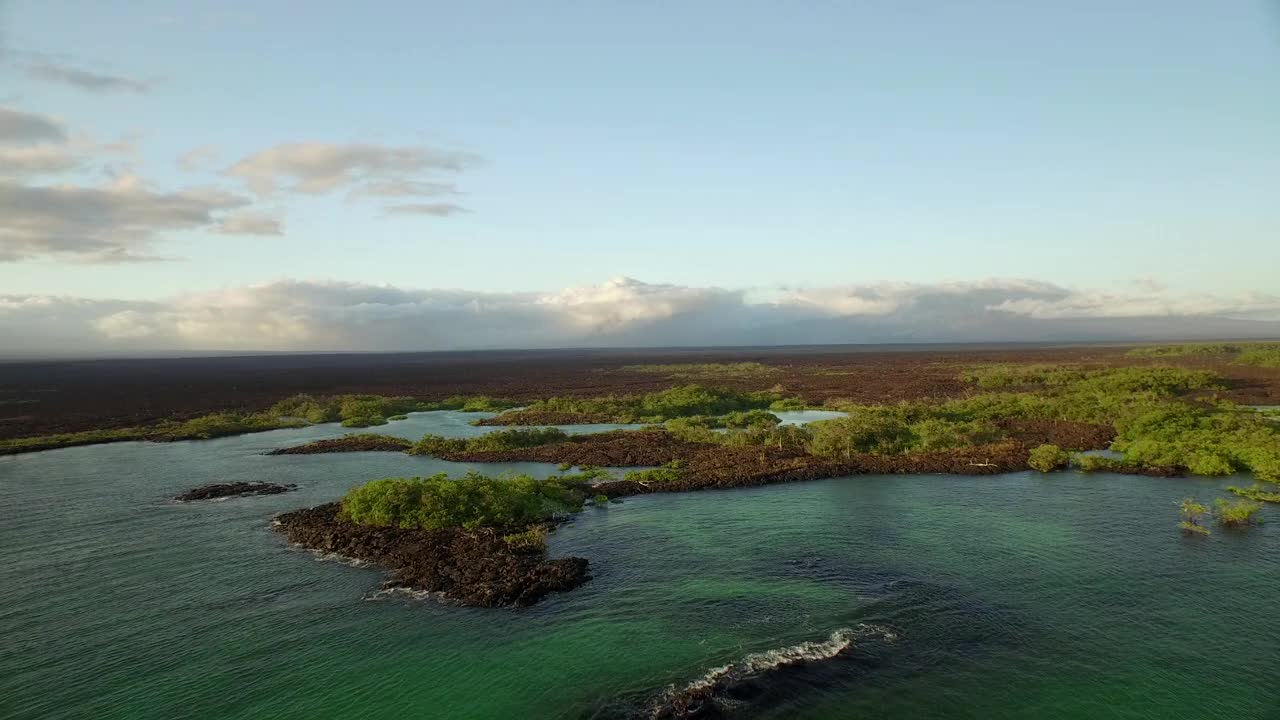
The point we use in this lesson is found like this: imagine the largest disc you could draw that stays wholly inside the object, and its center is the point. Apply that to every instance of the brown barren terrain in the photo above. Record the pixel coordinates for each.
(40, 398)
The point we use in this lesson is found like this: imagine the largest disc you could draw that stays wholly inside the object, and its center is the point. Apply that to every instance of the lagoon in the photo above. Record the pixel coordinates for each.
(1022, 595)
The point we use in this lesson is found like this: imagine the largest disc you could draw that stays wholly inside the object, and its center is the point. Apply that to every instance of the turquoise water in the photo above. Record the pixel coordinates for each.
(1019, 596)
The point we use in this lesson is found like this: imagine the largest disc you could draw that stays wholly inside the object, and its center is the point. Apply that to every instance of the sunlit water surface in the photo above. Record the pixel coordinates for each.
(1022, 596)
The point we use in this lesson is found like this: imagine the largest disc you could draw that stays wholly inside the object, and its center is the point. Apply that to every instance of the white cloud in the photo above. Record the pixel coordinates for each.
(313, 315)
(316, 168)
(249, 223)
(33, 145)
(87, 80)
(1146, 300)
(17, 126)
(402, 189)
(111, 223)
(436, 209)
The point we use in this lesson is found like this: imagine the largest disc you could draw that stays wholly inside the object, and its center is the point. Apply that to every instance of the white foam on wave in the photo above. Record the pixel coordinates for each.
(322, 556)
(756, 664)
(392, 593)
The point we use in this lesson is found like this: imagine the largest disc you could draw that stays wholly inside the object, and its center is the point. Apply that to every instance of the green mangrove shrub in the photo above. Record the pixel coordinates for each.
(1257, 493)
(704, 370)
(1193, 513)
(511, 439)
(472, 501)
(1047, 458)
(671, 472)
(657, 407)
(1237, 513)
(533, 540)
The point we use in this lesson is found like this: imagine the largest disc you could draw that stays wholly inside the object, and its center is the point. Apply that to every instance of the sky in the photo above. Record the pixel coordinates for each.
(421, 175)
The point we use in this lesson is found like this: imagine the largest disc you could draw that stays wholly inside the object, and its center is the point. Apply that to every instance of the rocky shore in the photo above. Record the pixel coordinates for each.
(470, 567)
(364, 442)
(235, 489)
(544, 417)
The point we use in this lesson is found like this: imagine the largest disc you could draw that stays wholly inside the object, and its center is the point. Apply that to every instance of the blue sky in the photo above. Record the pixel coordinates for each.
(727, 144)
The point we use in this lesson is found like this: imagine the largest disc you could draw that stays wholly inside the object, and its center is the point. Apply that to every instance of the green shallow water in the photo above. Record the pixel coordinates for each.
(1020, 596)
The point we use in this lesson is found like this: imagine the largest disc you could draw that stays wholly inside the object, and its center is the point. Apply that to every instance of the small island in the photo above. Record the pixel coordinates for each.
(475, 540)
(233, 489)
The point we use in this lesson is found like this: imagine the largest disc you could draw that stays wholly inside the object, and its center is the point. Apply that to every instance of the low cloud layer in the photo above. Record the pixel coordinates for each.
(17, 126)
(86, 80)
(116, 222)
(305, 315)
(364, 169)
(250, 223)
(117, 218)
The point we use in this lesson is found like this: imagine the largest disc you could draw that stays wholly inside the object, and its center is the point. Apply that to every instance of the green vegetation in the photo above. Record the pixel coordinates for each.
(1237, 513)
(472, 501)
(368, 410)
(350, 410)
(473, 403)
(1003, 376)
(761, 430)
(1184, 350)
(895, 430)
(205, 427)
(1047, 458)
(704, 370)
(1094, 463)
(533, 540)
(512, 439)
(1258, 354)
(657, 407)
(1193, 513)
(1267, 356)
(601, 500)
(671, 472)
(1206, 439)
(1256, 493)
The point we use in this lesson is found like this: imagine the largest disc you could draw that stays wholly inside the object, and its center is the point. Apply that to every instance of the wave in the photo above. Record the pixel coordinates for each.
(391, 593)
(709, 695)
(323, 556)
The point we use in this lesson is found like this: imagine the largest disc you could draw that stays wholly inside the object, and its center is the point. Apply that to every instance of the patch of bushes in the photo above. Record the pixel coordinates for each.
(1095, 463)
(1047, 458)
(1236, 513)
(472, 501)
(657, 407)
(472, 403)
(1257, 354)
(1193, 513)
(896, 430)
(1183, 350)
(512, 439)
(533, 540)
(1267, 356)
(368, 410)
(704, 370)
(671, 472)
(1257, 493)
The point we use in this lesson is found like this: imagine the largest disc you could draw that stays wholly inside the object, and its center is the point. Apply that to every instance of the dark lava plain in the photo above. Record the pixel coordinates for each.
(40, 398)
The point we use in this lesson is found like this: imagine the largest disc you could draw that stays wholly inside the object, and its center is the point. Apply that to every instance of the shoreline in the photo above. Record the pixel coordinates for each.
(470, 567)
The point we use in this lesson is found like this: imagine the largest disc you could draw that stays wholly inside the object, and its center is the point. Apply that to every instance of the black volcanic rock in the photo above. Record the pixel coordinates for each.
(234, 489)
(470, 567)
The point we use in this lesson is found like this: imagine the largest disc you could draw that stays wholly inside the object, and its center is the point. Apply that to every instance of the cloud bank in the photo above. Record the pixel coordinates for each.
(49, 210)
(86, 80)
(294, 315)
